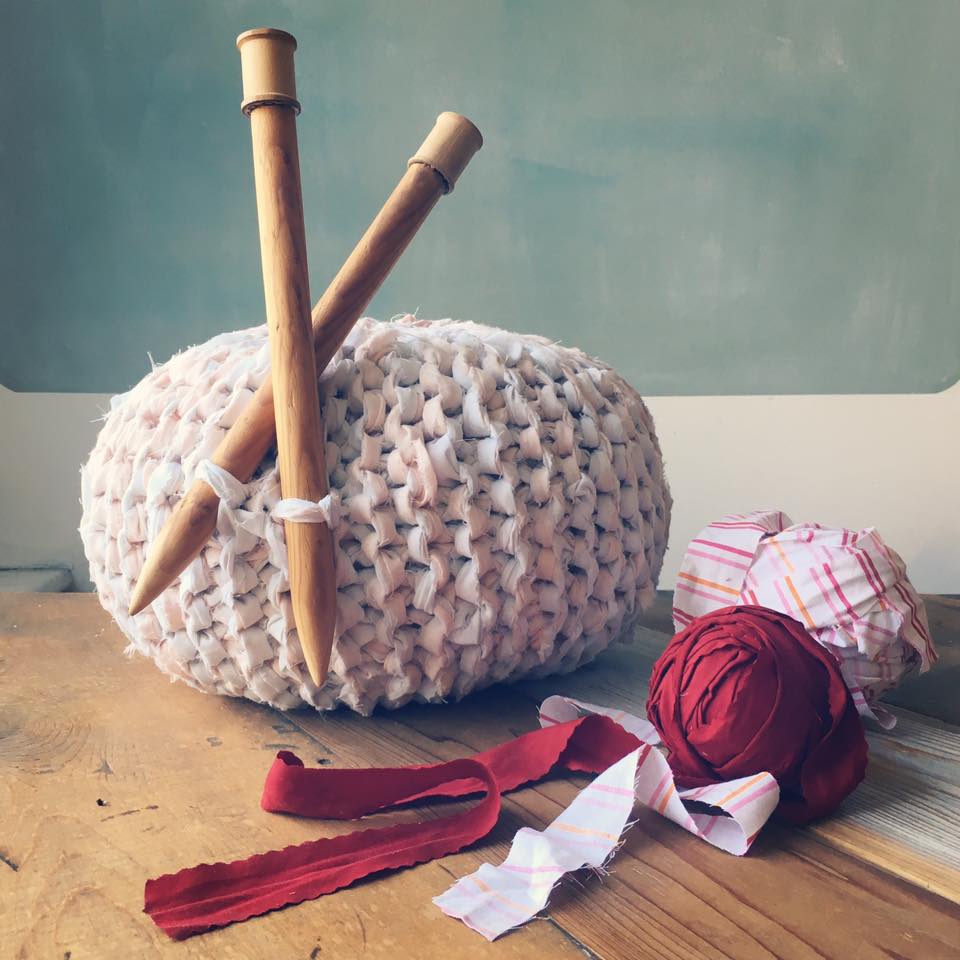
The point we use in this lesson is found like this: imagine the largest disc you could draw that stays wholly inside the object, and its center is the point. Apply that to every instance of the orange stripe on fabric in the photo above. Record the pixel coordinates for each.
(739, 790)
(570, 828)
(709, 583)
(662, 805)
(783, 556)
(803, 609)
(519, 907)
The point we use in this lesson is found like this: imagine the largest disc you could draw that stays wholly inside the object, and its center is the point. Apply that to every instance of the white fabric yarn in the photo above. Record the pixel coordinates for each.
(325, 510)
(225, 485)
(498, 506)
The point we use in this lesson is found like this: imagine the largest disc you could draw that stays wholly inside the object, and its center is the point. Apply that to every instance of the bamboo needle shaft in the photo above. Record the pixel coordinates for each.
(431, 173)
(267, 64)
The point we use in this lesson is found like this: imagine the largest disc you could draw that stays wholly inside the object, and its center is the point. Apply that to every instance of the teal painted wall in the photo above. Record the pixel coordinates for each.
(729, 197)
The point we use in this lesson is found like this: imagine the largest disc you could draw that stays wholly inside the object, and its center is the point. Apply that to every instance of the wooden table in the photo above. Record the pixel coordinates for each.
(109, 775)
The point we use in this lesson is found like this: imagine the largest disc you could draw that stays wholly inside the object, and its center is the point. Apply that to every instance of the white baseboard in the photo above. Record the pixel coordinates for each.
(889, 461)
(46, 436)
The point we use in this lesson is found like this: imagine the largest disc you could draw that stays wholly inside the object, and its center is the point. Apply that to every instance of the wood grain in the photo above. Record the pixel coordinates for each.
(904, 818)
(300, 454)
(937, 694)
(181, 782)
(110, 775)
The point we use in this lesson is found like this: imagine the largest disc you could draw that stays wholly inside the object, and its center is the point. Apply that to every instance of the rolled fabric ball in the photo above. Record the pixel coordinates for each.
(848, 588)
(746, 690)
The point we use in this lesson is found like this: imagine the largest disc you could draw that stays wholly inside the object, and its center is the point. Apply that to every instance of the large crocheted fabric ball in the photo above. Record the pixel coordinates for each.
(502, 513)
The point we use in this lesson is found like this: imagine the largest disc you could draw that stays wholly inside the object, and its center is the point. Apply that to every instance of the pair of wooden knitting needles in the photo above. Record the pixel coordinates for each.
(286, 405)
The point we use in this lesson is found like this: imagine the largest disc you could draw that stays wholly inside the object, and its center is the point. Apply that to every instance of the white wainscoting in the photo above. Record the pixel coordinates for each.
(888, 461)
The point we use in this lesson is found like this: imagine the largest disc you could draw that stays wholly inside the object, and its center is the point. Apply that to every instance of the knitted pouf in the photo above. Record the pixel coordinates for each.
(502, 512)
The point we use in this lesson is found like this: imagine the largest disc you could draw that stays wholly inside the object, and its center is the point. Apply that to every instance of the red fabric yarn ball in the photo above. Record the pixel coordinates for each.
(746, 689)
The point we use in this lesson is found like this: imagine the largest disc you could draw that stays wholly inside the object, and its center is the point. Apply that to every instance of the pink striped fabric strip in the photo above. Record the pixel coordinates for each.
(495, 899)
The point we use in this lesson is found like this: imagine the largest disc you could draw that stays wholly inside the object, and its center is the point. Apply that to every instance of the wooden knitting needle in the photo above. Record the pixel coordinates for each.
(431, 173)
(270, 101)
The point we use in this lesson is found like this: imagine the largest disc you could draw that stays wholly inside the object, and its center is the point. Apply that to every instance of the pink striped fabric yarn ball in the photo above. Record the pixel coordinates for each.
(847, 587)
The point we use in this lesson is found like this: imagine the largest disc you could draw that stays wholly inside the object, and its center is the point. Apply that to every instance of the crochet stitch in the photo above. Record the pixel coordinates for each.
(498, 502)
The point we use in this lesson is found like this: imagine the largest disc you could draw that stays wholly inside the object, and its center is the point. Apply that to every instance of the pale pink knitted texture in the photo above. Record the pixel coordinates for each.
(502, 513)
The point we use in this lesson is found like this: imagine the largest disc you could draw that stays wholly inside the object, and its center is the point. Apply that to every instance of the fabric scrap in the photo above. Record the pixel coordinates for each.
(747, 688)
(495, 899)
(211, 895)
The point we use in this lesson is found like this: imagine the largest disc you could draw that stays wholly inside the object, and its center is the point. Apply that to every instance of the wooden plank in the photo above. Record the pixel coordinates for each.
(73, 728)
(904, 818)
(667, 893)
(110, 775)
(935, 693)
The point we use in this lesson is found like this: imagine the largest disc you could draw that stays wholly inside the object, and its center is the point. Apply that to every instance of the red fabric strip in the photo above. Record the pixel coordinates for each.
(207, 896)
(589, 744)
